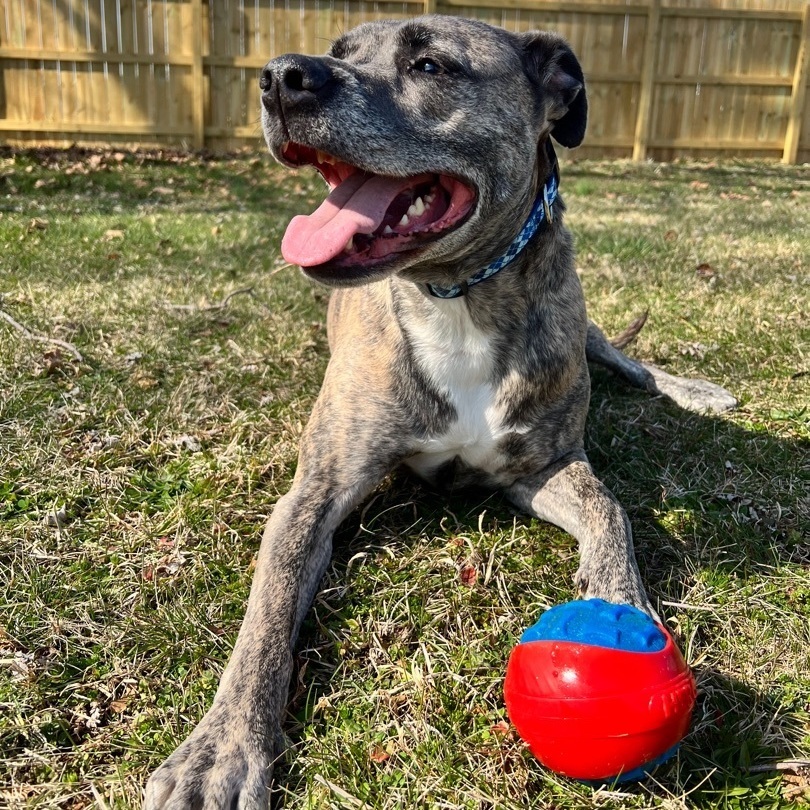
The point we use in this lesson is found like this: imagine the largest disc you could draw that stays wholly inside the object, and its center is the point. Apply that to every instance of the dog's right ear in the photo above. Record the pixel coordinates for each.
(552, 67)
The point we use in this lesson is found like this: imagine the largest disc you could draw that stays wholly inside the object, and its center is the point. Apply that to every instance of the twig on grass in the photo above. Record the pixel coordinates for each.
(347, 798)
(280, 268)
(29, 335)
(98, 797)
(686, 606)
(210, 307)
(795, 777)
(792, 765)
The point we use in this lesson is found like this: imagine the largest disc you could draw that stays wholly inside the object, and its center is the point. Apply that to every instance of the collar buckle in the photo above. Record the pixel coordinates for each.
(547, 203)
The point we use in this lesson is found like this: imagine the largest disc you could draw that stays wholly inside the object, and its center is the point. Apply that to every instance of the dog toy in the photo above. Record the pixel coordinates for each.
(599, 691)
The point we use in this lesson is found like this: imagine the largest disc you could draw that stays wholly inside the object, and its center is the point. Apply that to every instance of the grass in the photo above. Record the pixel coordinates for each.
(134, 484)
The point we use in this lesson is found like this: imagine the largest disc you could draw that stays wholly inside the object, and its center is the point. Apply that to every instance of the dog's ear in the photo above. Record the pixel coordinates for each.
(554, 70)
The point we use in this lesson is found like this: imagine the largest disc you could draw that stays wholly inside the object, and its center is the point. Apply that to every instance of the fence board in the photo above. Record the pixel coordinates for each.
(799, 92)
(647, 82)
(710, 77)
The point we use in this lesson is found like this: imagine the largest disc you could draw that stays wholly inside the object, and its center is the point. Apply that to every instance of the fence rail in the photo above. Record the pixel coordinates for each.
(666, 78)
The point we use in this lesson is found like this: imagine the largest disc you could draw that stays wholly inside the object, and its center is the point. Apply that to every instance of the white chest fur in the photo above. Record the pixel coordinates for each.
(457, 358)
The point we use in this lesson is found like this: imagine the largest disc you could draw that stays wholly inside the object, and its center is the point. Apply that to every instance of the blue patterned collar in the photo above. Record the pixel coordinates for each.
(541, 212)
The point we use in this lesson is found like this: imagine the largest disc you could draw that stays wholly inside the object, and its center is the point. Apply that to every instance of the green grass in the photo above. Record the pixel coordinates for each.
(134, 484)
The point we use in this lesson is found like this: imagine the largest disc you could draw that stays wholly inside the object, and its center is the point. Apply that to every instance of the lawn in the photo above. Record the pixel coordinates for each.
(140, 455)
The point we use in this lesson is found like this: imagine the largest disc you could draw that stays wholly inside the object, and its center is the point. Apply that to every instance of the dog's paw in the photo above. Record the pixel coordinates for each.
(221, 765)
(700, 396)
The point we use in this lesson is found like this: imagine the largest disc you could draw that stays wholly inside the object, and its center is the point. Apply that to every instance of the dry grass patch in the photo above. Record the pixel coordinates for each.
(134, 484)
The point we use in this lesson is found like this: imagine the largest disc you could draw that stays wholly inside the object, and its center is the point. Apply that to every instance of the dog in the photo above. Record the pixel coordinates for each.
(457, 328)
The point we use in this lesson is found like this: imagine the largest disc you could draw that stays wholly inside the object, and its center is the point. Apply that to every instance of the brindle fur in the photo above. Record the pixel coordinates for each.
(522, 338)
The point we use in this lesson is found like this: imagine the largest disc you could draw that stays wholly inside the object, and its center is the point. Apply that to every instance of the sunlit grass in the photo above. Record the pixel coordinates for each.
(134, 485)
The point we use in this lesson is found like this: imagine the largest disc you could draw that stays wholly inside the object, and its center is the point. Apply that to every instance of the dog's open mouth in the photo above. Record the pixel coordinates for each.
(368, 217)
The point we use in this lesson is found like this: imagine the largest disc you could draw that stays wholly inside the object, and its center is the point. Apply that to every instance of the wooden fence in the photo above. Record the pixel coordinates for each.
(665, 78)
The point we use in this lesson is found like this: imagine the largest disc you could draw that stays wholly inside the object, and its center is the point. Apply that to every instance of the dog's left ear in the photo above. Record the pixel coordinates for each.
(554, 70)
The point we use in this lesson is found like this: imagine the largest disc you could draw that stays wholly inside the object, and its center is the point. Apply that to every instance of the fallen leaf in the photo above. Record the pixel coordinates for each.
(54, 362)
(468, 574)
(113, 233)
(670, 236)
(20, 665)
(190, 443)
(37, 224)
(796, 785)
(56, 518)
(696, 349)
(143, 380)
(171, 563)
(705, 270)
(379, 754)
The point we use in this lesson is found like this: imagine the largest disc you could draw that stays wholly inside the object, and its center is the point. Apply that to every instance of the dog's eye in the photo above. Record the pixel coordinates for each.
(425, 65)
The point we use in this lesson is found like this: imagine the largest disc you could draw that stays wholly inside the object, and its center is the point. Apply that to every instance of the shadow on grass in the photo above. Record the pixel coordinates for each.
(717, 516)
(728, 748)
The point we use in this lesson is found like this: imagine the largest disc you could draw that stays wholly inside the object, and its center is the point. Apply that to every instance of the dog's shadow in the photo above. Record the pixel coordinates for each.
(716, 511)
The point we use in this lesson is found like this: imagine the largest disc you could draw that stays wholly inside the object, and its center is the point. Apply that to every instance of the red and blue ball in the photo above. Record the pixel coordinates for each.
(599, 691)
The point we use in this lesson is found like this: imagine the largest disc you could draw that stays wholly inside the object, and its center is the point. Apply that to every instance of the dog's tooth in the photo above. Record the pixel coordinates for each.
(321, 157)
(387, 230)
(429, 198)
(349, 246)
(419, 206)
(404, 220)
(412, 212)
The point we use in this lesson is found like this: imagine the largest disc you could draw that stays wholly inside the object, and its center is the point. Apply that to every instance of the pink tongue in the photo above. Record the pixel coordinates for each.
(357, 205)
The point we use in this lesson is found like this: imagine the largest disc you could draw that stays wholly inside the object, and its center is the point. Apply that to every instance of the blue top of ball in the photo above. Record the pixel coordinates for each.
(599, 623)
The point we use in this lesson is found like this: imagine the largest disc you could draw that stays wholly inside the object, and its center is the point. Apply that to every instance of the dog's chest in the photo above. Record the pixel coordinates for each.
(458, 360)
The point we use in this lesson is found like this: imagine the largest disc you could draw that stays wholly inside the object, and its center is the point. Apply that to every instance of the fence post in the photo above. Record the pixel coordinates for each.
(197, 76)
(798, 92)
(430, 6)
(651, 42)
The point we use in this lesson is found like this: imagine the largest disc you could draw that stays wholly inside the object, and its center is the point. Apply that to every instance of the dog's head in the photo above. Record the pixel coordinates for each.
(429, 134)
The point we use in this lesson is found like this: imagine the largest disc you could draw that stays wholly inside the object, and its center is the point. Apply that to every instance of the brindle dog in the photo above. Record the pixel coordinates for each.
(433, 136)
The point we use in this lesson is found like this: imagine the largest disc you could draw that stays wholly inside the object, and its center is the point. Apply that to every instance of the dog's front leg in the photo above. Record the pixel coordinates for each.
(570, 496)
(227, 760)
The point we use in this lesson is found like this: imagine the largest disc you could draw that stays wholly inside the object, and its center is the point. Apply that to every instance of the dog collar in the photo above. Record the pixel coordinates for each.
(541, 212)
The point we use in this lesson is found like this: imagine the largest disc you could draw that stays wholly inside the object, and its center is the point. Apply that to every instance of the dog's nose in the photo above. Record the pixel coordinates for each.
(296, 79)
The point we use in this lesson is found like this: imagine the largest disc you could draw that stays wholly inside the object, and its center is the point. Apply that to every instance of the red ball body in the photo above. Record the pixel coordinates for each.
(594, 713)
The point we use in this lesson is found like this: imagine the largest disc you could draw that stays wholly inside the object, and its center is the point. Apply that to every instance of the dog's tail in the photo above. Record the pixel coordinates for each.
(626, 337)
